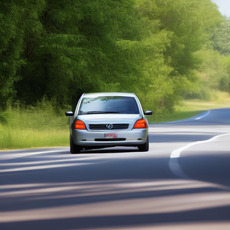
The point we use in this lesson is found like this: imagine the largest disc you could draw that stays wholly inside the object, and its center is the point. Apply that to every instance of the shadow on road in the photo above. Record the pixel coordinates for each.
(121, 221)
(63, 181)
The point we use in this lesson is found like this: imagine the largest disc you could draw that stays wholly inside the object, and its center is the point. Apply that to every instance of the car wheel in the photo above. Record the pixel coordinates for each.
(144, 147)
(74, 148)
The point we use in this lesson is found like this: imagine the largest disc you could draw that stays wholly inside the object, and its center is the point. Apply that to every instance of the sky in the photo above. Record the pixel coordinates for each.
(224, 6)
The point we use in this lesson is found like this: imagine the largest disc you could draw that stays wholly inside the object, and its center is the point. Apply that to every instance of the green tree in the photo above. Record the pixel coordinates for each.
(221, 41)
(176, 29)
(82, 46)
(11, 39)
(213, 71)
(29, 87)
(57, 49)
(20, 29)
(191, 23)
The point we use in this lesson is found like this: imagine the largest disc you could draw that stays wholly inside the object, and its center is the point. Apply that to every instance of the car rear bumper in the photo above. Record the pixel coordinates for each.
(109, 138)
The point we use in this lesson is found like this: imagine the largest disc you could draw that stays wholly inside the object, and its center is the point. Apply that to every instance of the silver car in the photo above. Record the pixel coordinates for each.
(107, 120)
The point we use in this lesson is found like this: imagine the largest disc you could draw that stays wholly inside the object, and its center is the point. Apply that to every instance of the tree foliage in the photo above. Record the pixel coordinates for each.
(57, 49)
(176, 30)
(221, 41)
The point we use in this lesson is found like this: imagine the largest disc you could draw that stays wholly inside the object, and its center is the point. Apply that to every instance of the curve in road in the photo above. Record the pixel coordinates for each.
(222, 145)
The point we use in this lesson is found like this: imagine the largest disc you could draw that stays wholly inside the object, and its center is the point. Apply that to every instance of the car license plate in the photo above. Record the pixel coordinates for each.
(110, 135)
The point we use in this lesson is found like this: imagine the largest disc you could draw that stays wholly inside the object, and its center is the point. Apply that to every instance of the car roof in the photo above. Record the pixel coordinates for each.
(109, 94)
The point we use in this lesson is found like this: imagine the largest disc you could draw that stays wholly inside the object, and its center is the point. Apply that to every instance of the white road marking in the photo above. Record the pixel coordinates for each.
(203, 115)
(174, 162)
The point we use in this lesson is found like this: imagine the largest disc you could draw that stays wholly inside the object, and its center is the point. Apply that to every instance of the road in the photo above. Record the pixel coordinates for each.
(183, 182)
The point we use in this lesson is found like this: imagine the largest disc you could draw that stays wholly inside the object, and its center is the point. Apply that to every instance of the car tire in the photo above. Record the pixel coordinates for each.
(144, 147)
(74, 148)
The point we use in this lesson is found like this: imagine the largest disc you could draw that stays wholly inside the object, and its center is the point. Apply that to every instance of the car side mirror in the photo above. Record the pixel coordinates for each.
(148, 113)
(69, 113)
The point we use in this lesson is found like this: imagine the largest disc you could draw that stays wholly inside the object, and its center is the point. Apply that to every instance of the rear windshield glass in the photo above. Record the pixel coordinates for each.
(109, 104)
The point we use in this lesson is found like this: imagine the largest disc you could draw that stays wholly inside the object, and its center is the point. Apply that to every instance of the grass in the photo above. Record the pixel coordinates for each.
(42, 127)
(32, 128)
(12, 138)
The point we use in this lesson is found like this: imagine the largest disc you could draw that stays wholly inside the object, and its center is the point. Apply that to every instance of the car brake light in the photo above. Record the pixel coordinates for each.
(79, 124)
(140, 124)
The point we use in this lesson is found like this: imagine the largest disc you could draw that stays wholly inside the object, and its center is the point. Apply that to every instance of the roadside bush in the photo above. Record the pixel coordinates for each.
(38, 126)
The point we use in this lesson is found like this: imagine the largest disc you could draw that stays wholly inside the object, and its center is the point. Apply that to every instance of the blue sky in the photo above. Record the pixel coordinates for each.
(224, 6)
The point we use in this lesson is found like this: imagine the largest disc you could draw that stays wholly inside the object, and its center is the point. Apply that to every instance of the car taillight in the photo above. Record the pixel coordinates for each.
(79, 124)
(140, 124)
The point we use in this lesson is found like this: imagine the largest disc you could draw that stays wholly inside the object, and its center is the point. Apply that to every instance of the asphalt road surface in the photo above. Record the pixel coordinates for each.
(183, 182)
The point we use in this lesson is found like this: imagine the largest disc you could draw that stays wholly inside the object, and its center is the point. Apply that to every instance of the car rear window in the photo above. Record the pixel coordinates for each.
(109, 104)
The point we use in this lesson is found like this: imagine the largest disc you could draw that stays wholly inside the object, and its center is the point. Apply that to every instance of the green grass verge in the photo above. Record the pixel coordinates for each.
(17, 138)
(32, 128)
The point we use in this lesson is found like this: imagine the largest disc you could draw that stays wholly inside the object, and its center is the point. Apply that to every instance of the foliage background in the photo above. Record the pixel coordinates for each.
(165, 51)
